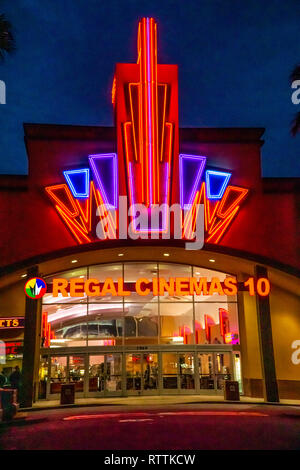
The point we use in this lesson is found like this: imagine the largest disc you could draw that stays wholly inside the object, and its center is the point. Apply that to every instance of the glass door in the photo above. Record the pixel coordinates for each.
(206, 371)
(113, 377)
(43, 378)
(150, 383)
(170, 373)
(58, 374)
(134, 373)
(76, 372)
(178, 372)
(223, 369)
(96, 374)
(214, 369)
(238, 370)
(105, 375)
(186, 372)
(142, 373)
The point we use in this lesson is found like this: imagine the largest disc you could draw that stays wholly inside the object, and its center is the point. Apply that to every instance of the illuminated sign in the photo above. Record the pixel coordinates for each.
(35, 288)
(11, 322)
(179, 286)
(148, 170)
(13, 347)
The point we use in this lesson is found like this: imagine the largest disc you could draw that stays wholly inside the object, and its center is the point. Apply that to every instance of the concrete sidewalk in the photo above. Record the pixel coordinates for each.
(152, 400)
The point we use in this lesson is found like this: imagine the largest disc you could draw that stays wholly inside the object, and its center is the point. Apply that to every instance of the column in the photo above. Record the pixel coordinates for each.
(266, 342)
(31, 346)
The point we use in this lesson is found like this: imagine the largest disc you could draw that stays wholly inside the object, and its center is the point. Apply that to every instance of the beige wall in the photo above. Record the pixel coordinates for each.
(12, 300)
(250, 349)
(285, 317)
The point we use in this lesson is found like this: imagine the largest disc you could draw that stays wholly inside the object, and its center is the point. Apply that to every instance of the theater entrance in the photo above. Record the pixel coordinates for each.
(125, 373)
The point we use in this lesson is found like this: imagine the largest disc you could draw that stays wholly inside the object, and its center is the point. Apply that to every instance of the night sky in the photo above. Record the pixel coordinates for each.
(234, 58)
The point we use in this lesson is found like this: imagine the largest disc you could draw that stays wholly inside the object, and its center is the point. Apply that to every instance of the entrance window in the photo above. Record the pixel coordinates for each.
(216, 323)
(105, 324)
(79, 273)
(176, 323)
(141, 323)
(168, 271)
(139, 320)
(102, 272)
(64, 325)
(135, 271)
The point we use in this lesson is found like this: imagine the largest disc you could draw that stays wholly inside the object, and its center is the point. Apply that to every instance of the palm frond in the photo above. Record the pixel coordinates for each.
(7, 43)
(295, 75)
(296, 124)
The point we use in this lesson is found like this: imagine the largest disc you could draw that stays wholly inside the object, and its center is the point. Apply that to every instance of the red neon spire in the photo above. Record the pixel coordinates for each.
(148, 137)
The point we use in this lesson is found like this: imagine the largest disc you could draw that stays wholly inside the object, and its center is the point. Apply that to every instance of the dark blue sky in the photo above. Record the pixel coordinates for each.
(234, 61)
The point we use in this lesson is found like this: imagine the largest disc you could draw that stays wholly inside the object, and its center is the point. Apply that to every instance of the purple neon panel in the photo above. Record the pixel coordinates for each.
(104, 168)
(191, 170)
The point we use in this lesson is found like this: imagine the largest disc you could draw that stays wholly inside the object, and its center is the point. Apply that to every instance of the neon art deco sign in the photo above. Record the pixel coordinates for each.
(179, 286)
(148, 167)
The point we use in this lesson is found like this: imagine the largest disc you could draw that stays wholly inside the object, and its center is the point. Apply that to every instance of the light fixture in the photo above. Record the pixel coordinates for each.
(212, 260)
(74, 261)
(120, 254)
(166, 254)
(24, 275)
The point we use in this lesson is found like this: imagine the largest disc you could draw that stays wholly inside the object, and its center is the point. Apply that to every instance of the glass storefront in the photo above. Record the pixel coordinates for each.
(139, 320)
(139, 373)
(136, 344)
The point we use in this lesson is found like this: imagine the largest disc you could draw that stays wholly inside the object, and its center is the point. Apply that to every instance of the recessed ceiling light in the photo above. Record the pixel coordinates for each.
(81, 277)
(120, 254)
(74, 261)
(24, 275)
(166, 254)
(198, 274)
(212, 260)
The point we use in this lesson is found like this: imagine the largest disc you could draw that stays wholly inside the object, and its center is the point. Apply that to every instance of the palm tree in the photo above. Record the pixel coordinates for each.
(7, 43)
(295, 75)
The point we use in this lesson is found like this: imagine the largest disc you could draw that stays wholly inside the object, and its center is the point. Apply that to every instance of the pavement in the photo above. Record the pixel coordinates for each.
(156, 426)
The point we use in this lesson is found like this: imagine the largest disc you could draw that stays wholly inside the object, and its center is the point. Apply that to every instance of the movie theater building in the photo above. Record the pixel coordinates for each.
(139, 308)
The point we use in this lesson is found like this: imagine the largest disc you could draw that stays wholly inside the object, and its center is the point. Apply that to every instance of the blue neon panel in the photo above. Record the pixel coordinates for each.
(78, 182)
(216, 183)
